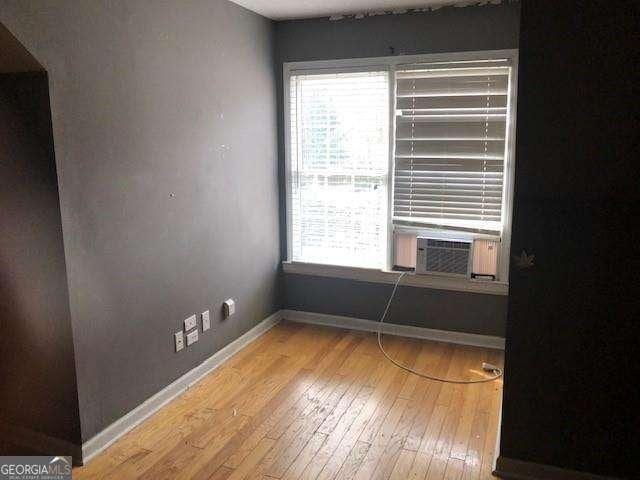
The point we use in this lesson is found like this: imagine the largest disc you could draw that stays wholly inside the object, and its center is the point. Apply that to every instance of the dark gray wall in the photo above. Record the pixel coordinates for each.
(441, 309)
(448, 29)
(14, 58)
(37, 371)
(164, 125)
(573, 317)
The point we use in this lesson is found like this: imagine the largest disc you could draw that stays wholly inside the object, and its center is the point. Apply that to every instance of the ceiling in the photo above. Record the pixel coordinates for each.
(289, 9)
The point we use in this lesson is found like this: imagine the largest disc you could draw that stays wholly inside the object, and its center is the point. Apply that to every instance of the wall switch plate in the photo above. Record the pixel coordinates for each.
(229, 307)
(192, 337)
(190, 323)
(206, 321)
(179, 341)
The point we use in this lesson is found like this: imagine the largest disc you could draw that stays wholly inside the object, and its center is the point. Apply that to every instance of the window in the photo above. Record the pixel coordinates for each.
(339, 154)
(450, 145)
(382, 150)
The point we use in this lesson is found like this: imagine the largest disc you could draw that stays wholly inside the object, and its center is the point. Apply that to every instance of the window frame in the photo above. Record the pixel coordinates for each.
(390, 64)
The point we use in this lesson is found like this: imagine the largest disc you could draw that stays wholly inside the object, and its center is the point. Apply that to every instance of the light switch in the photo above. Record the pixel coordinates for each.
(206, 322)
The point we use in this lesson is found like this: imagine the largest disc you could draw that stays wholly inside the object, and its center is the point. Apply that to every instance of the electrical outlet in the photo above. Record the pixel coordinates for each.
(229, 307)
(192, 337)
(179, 341)
(190, 323)
(206, 321)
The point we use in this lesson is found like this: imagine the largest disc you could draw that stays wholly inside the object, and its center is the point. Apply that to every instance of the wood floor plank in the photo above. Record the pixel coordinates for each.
(407, 357)
(309, 418)
(359, 374)
(249, 463)
(387, 381)
(204, 464)
(105, 469)
(420, 466)
(454, 469)
(452, 396)
(174, 464)
(257, 423)
(213, 433)
(422, 362)
(163, 430)
(352, 462)
(306, 455)
(223, 473)
(381, 440)
(294, 440)
(280, 405)
(336, 436)
(247, 442)
(185, 460)
(402, 467)
(428, 404)
(191, 422)
(434, 427)
(350, 439)
(270, 415)
(327, 369)
(465, 424)
(317, 403)
(392, 451)
(475, 450)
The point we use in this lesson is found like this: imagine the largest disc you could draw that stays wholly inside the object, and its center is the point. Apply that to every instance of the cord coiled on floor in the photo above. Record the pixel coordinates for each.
(497, 372)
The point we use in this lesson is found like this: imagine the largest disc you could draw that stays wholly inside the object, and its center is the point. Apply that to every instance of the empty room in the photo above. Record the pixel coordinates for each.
(319, 239)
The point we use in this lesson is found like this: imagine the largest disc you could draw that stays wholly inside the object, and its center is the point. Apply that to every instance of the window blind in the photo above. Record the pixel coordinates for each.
(339, 150)
(450, 153)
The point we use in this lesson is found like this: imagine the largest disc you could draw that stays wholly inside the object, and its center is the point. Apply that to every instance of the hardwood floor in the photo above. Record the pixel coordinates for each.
(309, 402)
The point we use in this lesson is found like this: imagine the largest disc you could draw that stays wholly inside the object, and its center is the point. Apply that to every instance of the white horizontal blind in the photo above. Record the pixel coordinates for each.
(339, 148)
(450, 153)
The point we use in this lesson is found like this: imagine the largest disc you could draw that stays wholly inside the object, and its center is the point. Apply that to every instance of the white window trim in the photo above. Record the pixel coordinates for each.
(389, 64)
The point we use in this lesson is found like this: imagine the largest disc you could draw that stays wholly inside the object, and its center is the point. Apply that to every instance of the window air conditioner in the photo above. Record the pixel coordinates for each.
(443, 256)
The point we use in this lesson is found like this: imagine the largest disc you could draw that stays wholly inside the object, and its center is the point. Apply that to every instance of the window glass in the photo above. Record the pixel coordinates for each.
(339, 151)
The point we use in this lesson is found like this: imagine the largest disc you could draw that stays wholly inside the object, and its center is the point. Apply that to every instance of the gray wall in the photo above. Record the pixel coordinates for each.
(164, 125)
(37, 371)
(441, 309)
(448, 29)
(569, 397)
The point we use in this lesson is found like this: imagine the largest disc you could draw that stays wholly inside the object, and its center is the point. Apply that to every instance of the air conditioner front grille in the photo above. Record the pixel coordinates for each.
(447, 260)
(443, 256)
(448, 244)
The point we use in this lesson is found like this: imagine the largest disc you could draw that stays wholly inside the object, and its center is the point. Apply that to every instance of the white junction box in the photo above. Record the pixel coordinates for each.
(206, 321)
(229, 307)
(192, 337)
(190, 323)
(179, 338)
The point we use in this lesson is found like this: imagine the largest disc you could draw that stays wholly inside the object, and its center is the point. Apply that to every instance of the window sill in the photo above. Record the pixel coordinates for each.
(410, 279)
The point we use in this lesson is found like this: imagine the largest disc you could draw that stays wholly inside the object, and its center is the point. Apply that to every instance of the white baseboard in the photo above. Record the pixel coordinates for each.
(113, 432)
(351, 323)
(512, 469)
(496, 447)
